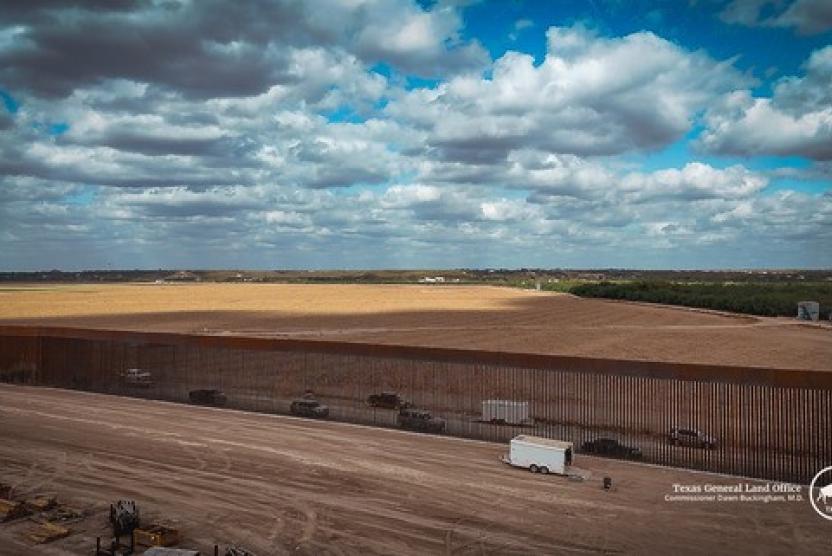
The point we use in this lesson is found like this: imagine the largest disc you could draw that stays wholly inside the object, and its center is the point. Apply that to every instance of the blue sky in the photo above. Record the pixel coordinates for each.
(696, 25)
(403, 134)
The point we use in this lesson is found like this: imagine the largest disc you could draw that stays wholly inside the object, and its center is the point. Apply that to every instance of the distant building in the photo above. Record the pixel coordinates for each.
(240, 277)
(182, 276)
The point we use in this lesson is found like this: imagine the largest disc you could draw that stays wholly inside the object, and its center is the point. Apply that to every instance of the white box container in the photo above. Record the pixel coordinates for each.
(505, 411)
(808, 310)
(538, 454)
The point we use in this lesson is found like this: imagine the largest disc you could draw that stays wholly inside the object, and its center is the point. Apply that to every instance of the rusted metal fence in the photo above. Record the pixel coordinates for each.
(766, 423)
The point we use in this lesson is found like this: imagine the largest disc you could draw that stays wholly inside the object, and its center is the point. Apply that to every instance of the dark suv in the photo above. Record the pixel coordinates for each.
(420, 420)
(207, 397)
(610, 447)
(386, 400)
(309, 408)
(679, 436)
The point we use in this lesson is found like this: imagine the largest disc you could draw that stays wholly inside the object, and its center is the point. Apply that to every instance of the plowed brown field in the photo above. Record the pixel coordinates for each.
(446, 316)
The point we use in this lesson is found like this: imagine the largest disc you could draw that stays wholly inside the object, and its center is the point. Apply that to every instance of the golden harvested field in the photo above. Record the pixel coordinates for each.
(475, 317)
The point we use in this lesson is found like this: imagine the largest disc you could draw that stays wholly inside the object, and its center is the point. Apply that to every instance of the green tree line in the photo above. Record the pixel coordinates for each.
(749, 298)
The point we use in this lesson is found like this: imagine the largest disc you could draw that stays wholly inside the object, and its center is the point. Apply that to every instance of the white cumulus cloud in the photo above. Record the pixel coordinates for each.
(795, 120)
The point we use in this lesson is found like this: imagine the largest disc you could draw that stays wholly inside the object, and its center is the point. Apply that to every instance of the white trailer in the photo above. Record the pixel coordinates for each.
(540, 455)
(505, 411)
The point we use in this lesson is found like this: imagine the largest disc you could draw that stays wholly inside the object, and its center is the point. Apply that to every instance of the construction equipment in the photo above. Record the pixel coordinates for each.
(10, 510)
(124, 518)
(238, 551)
(163, 551)
(62, 514)
(46, 532)
(42, 502)
(155, 535)
(115, 548)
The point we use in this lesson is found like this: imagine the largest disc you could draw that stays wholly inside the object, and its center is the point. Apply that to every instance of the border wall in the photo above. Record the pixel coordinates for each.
(768, 423)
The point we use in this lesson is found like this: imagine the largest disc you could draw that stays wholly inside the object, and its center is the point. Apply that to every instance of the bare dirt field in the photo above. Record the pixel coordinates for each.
(280, 485)
(444, 316)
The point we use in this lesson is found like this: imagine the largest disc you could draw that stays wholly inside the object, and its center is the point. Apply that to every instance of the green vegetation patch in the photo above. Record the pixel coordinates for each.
(779, 299)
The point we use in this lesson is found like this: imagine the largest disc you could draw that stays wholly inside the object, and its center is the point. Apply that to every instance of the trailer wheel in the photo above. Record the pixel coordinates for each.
(544, 470)
(533, 468)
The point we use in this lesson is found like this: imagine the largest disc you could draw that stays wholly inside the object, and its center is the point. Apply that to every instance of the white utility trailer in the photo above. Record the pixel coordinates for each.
(505, 411)
(540, 455)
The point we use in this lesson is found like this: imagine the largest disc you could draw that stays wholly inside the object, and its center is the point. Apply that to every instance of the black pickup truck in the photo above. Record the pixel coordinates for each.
(420, 420)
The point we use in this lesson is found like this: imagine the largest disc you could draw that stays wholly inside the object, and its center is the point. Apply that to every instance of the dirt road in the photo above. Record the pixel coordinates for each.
(281, 485)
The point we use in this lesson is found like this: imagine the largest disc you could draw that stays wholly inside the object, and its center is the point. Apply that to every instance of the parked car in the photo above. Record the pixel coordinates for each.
(387, 400)
(208, 397)
(420, 420)
(309, 408)
(610, 447)
(679, 436)
(137, 377)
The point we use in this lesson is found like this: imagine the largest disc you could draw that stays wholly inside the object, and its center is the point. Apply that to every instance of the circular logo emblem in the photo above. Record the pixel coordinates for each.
(820, 493)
